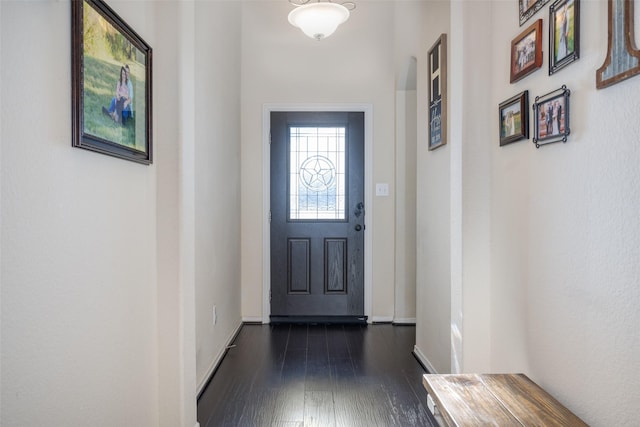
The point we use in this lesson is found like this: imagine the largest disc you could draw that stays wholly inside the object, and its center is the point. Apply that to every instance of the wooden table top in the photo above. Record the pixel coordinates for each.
(497, 400)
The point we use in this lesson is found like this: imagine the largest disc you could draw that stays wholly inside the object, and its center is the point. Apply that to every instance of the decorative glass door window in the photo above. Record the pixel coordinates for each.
(317, 163)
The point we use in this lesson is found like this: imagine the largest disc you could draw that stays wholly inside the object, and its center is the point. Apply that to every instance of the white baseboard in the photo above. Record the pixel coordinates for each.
(424, 360)
(207, 376)
(404, 321)
(252, 319)
(381, 319)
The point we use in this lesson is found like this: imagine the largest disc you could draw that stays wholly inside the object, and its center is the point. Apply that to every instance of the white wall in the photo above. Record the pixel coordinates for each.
(168, 206)
(281, 65)
(561, 237)
(1, 222)
(475, 129)
(573, 277)
(79, 341)
(433, 222)
(217, 185)
(405, 225)
(407, 23)
(109, 268)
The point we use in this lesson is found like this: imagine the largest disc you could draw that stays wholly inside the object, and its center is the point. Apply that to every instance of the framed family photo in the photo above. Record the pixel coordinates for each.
(438, 93)
(526, 52)
(528, 8)
(111, 84)
(564, 34)
(551, 115)
(513, 116)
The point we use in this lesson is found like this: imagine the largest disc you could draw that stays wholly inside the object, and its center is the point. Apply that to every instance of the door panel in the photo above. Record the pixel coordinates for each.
(335, 254)
(317, 215)
(299, 266)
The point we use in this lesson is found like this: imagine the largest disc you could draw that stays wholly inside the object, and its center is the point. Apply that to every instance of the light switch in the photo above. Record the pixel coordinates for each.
(382, 189)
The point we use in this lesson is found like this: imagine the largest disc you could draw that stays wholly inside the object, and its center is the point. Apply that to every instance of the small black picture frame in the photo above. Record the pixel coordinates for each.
(110, 84)
(513, 118)
(551, 114)
(564, 34)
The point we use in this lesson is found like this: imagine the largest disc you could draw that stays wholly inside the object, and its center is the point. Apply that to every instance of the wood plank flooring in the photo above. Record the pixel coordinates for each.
(318, 375)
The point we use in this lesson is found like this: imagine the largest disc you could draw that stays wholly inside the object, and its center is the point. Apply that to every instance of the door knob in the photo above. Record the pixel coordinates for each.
(358, 227)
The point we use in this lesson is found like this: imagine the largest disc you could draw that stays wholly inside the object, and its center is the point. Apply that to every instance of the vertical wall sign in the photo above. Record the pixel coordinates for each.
(438, 93)
(623, 59)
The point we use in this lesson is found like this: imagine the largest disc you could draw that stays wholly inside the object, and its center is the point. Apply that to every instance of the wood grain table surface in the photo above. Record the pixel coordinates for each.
(495, 400)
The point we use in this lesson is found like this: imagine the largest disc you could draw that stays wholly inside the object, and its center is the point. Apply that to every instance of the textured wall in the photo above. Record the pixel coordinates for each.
(109, 268)
(571, 265)
(562, 239)
(217, 184)
(79, 342)
(433, 218)
(407, 48)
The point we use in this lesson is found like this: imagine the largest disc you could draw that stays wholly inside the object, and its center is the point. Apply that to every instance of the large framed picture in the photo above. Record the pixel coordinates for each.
(111, 84)
(513, 115)
(551, 115)
(526, 52)
(438, 93)
(528, 8)
(564, 34)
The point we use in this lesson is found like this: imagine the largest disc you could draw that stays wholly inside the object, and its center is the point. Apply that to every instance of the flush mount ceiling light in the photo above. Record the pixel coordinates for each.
(319, 19)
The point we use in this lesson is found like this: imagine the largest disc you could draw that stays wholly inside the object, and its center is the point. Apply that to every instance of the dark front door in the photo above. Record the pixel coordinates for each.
(317, 216)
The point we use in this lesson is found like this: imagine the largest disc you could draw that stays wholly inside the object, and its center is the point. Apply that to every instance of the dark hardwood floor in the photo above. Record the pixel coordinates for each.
(318, 375)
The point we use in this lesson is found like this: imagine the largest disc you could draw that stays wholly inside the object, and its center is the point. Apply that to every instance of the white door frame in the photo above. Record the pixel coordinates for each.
(367, 109)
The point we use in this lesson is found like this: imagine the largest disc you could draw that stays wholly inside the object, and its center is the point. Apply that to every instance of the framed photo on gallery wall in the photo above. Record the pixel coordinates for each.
(111, 84)
(513, 117)
(437, 63)
(551, 117)
(528, 8)
(564, 34)
(526, 52)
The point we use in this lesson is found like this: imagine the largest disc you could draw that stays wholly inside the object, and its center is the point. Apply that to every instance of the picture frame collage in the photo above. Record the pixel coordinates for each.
(551, 111)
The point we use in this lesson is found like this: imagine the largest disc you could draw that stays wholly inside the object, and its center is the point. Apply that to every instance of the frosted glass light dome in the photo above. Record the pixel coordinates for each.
(318, 20)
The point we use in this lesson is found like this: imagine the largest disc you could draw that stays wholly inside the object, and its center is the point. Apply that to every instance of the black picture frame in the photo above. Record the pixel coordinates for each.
(551, 114)
(513, 118)
(111, 84)
(564, 34)
(437, 63)
(526, 52)
(528, 8)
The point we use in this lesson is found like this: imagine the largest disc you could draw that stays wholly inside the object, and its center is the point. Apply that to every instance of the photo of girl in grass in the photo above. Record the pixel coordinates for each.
(114, 83)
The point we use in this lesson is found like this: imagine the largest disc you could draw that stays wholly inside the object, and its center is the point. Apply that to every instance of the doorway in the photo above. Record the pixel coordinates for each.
(317, 255)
